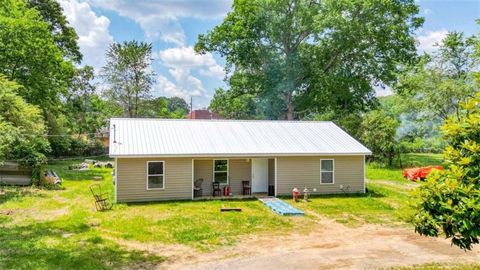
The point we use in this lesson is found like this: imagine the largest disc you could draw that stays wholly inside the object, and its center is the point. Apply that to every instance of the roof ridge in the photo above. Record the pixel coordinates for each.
(219, 120)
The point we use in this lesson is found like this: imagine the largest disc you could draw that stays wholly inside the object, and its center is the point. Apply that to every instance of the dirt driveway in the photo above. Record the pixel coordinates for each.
(330, 246)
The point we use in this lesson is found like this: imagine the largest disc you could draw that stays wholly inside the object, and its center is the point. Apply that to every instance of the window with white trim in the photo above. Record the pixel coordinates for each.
(155, 175)
(327, 175)
(220, 171)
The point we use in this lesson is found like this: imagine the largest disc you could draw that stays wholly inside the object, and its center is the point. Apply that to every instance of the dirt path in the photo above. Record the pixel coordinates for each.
(330, 246)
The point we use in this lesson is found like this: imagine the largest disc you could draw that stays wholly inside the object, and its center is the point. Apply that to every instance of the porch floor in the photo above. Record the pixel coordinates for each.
(233, 197)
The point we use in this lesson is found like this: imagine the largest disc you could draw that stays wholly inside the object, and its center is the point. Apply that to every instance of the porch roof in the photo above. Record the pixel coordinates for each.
(135, 137)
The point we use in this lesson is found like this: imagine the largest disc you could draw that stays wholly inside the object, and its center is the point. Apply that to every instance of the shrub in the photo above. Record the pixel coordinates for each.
(449, 202)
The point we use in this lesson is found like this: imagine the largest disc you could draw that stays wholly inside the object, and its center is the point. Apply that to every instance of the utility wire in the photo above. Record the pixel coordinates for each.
(59, 159)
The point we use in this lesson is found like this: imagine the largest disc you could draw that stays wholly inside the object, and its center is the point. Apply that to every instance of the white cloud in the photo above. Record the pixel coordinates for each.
(181, 62)
(188, 86)
(92, 31)
(186, 59)
(160, 19)
(427, 40)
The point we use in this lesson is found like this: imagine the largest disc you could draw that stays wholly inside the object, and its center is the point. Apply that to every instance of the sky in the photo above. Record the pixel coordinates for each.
(172, 26)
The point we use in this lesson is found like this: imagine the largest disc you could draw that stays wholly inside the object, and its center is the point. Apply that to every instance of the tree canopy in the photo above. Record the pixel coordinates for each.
(21, 126)
(128, 74)
(306, 56)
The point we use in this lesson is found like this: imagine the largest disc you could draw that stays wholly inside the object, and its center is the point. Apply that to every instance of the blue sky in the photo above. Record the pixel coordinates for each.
(172, 26)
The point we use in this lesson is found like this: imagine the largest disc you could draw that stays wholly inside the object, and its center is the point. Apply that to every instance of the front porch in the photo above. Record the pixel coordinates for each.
(232, 197)
(259, 173)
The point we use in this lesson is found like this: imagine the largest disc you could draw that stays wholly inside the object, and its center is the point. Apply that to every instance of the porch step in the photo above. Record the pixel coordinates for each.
(280, 207)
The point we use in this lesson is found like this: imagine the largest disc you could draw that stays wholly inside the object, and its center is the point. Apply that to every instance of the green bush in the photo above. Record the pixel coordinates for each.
(449, 201)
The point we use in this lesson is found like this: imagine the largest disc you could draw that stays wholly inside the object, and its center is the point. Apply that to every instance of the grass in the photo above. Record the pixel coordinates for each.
(387, 200)
(59, 229)
(376, 171)
(437, 266)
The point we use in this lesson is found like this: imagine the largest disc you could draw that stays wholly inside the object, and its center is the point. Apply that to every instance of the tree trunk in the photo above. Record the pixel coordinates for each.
(290, 110)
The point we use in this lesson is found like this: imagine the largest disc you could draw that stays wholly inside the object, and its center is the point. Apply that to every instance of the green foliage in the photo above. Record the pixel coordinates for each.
(449, 202)
(439, 83)
(22, 128)
(350, 122)
(233, 107)
(302, 57)
(64, 35)
(128, 74)
(163, 107)
(378, 134)
(30, 56)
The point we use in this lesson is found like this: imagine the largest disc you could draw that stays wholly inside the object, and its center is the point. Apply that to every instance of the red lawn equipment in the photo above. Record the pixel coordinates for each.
(421, 173)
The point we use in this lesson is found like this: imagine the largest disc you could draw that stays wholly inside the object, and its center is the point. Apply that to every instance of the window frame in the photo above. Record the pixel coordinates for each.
(332, 171)
(227, 171)
(164, 173)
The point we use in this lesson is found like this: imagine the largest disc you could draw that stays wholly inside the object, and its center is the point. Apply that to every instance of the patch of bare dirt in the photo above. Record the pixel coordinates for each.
(330, 245)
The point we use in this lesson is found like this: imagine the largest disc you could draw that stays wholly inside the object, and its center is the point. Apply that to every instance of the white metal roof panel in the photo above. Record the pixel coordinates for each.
(167, 137)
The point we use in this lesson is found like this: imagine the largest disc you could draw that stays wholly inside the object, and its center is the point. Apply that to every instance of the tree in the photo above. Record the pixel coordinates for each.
(85, 110)
(163, 107)
(64, 35)
(128, 74)
(304, 56)
(178, 104)
(22, 128)
(230, 107)
(378, 134)
(449, 202)
(30, 56)
(440, 82)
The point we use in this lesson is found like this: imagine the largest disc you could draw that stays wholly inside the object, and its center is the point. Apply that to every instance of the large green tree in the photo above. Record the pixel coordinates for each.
(22, 127)
(305, 56)
(378, 131)
(64, 35)
(449, 202)
(441, 81)
(30, 56)
(128, 74)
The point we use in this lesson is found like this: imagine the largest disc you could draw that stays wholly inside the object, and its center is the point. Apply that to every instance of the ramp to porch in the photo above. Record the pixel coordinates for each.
(280, 207)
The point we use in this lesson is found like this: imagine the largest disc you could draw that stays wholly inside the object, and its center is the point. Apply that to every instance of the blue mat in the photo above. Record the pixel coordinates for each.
(280, 207)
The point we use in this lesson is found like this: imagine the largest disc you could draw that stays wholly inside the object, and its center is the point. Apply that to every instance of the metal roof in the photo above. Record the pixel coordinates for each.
(228, 138)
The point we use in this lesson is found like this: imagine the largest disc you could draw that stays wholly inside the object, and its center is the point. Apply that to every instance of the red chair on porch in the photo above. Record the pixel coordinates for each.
(216, 189)
(247, 190)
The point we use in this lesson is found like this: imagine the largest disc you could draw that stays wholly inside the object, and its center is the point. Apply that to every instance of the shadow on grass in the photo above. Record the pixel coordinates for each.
(8, 193)
(45, 246)
(368, 193)
(185, 201)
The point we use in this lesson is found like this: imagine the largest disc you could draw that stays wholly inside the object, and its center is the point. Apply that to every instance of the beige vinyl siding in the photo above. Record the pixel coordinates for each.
(238, 170)
(304, 172)
(132, 180)
(204, 169)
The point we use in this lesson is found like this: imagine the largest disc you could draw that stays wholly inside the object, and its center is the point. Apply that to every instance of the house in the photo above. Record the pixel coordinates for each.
(159, 159)
(203, 114)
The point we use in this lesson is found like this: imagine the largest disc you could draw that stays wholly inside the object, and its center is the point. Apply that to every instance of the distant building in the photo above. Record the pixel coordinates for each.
(203, 114)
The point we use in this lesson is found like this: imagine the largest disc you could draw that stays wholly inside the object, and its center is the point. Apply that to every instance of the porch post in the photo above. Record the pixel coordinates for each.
(275, 188)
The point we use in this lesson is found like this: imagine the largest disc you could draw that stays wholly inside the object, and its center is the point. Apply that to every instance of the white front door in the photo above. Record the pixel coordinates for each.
(259, 175)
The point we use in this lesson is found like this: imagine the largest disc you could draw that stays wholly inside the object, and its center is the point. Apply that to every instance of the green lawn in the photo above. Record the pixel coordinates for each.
(59, 229)
(376, 171)
(46, 229)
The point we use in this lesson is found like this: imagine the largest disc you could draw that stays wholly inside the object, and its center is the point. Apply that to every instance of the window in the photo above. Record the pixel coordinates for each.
(220, 171)
(327, 171)
(156, 175)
